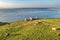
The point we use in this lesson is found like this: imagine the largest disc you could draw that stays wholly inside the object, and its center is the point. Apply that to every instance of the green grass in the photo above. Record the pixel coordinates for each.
(31, 30)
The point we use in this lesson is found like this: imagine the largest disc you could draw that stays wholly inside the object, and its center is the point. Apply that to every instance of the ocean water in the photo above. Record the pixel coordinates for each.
(10, 15)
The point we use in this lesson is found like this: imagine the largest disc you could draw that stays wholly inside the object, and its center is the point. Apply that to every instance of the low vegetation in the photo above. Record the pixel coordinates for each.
(3, 23)
(39, 29)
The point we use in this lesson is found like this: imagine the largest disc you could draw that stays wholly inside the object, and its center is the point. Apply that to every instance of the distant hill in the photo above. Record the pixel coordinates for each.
(39, 29)
(54, 8)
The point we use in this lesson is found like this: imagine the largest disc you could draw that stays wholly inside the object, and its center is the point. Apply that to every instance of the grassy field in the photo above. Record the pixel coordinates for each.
(40, 29)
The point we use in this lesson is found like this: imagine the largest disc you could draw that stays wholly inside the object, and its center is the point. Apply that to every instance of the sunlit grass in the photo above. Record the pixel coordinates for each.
(31, 30)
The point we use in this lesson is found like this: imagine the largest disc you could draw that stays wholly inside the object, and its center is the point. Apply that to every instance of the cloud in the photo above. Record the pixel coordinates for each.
(27, 5)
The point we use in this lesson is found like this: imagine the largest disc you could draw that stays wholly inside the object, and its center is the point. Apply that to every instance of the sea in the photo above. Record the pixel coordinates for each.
(15, 14)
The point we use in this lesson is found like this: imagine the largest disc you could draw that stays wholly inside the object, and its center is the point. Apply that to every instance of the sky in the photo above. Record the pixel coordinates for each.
(29, 3)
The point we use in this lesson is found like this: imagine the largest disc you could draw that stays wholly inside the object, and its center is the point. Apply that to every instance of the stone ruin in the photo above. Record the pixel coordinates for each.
(31, 18)
(25, 19)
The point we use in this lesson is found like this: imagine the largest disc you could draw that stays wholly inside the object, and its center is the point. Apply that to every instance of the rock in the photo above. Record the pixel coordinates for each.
(25, 19)
(53, 29)
(30, 18)
(6, 34)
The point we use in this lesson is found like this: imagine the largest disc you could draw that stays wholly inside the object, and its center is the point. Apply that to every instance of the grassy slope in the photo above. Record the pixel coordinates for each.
(31, 30)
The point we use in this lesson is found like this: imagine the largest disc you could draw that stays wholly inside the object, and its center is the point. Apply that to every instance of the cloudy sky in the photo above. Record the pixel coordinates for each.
(29, 3)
